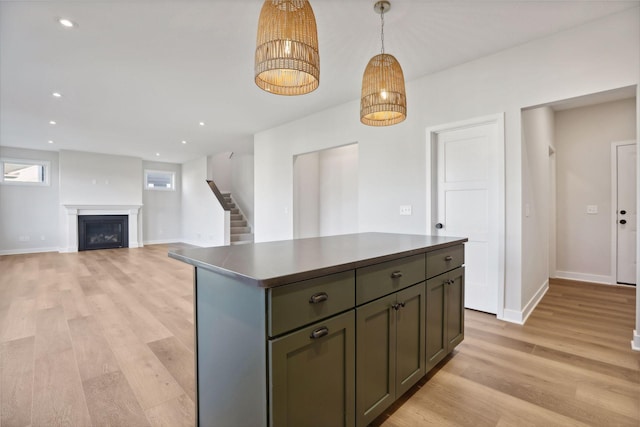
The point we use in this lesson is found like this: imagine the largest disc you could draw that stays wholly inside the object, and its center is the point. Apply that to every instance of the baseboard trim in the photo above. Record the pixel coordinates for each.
(582, 277)
(635, 342)
(520, 317)
(162, 241)
(27, 251)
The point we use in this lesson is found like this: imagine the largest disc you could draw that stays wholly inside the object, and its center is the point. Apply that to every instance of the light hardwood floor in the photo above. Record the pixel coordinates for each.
(106, 338)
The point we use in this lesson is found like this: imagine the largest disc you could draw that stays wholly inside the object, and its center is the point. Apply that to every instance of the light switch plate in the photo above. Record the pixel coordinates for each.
(592, 209)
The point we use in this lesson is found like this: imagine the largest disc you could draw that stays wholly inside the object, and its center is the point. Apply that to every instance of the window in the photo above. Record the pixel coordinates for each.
(24, 172)
(159, 180)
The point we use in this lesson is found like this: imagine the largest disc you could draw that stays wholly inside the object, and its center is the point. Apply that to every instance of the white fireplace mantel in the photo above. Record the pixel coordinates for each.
(70, 235)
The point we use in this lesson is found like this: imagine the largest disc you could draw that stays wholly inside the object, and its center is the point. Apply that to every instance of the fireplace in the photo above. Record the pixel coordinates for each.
(103, 232)
(70, 228)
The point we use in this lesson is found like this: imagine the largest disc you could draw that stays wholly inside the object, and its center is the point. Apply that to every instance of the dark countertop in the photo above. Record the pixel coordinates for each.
(271, 264)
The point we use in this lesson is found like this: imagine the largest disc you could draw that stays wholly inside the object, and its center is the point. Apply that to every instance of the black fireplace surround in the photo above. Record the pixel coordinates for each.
(103, 232)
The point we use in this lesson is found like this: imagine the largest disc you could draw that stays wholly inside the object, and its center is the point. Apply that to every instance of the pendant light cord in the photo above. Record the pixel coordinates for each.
(382, 29)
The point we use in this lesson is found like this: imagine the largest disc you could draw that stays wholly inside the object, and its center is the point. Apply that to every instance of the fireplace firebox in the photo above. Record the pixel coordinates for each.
(103, 232)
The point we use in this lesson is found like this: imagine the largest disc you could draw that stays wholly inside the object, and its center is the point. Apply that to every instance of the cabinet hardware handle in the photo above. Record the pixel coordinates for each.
(401, 305)
(448, 258)
(319, 297)
(396, 274)
(319, 333)
(398, 306)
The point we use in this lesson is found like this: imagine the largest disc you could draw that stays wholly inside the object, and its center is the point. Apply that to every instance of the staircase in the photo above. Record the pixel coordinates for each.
(240, 230)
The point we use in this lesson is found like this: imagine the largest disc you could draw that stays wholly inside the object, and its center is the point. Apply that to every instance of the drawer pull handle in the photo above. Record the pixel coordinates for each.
(319, 333)
(448, 258)
(396, 274)
(318, 298)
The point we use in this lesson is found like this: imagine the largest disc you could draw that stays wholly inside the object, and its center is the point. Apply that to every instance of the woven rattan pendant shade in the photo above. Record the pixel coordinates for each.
(383, 101)
(287, 58)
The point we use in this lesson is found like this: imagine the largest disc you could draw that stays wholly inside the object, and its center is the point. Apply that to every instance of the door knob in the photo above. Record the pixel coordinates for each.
(622, 212)
(439, 225)
(623, 221)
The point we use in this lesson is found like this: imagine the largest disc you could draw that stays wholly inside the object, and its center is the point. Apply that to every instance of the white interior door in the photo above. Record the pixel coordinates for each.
(468, 167)
(626, 227)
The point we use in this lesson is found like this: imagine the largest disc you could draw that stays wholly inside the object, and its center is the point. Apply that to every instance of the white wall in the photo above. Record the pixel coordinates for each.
(203, 219)
(599, 56)
(30, 211)
(537, 137)
(219, 171)
(162, 209)
(99, 179)
(583, 142)
(242, 184)
(306, 195)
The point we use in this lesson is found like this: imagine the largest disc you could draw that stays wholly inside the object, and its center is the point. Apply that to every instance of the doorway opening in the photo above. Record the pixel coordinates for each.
(325, 192)
(580, 198)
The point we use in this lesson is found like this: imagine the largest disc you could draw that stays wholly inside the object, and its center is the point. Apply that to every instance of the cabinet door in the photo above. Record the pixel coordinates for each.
(410, 337)
(455, 308)
(436, 346)
(312, 375)
(375, 358)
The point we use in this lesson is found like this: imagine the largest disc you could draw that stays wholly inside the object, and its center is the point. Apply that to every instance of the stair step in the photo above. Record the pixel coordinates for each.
(242, 242)
(240, 223)
(235, 211)
(242, 237)
(231, 205)
(236, 217)
(240, 230)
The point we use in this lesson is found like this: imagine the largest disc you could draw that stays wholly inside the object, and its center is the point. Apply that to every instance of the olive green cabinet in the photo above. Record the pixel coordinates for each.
(312, 375)
(321, 332)
(390, 350)
(445, 315)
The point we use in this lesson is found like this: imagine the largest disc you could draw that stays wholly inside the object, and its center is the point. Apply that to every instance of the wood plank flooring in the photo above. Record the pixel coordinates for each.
(570, 365)
(96, 338)
(106, 338)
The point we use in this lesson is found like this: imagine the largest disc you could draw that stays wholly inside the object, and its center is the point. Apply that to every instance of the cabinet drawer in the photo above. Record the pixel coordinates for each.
(444, 260)
(301, 303)
(381, 279)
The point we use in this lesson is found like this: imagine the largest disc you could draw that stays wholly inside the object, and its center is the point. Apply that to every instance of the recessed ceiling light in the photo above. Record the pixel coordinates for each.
(57, 95)
(157, 154)
(50, 142)
(201, 123)
(66, 22)
(184, 142)
(52, 122)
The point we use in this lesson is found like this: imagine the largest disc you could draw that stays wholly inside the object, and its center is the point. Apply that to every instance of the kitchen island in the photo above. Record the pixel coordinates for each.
(321, 331)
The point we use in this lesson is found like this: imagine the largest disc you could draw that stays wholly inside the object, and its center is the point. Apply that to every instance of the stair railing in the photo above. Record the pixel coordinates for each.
(218, 195)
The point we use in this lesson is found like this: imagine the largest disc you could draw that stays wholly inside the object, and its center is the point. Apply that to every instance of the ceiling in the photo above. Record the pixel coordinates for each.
(137, 77)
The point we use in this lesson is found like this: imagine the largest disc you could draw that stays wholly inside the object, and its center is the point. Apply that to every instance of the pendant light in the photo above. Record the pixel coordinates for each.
(287, 61)
(383, 101)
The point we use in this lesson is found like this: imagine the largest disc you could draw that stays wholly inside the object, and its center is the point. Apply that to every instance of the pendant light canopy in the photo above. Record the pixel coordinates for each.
(383, 101)
(287, 61)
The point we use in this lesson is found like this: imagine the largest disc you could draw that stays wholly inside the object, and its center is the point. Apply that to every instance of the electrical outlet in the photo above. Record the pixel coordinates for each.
(405, 209)
(592, 209)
